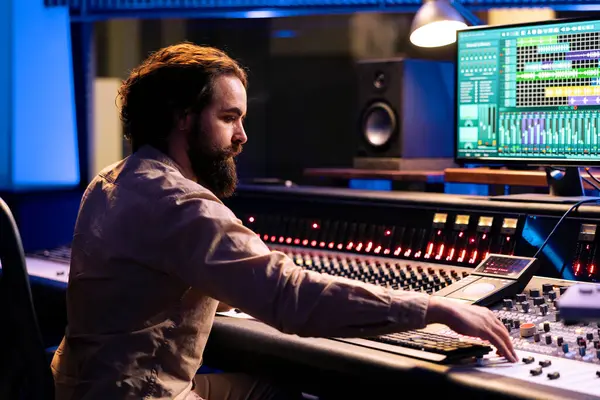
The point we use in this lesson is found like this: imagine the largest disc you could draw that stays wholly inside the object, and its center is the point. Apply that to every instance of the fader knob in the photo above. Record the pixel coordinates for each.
(582, 351)
(516, 323)
(589, 336)
(536, 371)
(553, 375)
(548, 339)
(544, 309)
(546, 287)
(559, 340)
(521, 297)
(536, 337)
(528, 360)
(534, 293)
(546, 326)
(552, 295)
(525, 306)
(597, 344)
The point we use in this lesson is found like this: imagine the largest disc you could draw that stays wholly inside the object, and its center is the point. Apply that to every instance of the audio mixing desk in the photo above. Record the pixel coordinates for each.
(556, 360)
(418, 242)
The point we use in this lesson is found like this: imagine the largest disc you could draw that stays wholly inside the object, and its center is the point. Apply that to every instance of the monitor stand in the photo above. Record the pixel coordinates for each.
(566, 187)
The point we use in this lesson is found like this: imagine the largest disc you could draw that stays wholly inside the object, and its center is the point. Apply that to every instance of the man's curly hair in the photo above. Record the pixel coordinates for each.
(171, 82)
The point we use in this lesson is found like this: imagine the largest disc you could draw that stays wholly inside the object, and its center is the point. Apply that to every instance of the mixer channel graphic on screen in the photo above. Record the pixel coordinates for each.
(529, 93)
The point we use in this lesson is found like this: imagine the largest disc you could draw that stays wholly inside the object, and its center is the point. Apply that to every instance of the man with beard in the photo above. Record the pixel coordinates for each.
(155, 250)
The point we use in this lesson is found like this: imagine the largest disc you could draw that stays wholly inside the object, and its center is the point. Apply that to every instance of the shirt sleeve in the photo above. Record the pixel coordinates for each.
(211, 250)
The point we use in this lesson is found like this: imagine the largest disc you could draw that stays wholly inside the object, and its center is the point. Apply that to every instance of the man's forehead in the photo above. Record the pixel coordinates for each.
(229, 93)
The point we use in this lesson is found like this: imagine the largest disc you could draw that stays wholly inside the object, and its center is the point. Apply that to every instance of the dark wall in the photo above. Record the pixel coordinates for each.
(302, 99)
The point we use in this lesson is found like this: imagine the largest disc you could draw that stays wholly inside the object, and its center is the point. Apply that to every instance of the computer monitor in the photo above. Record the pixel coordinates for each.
(529, 94)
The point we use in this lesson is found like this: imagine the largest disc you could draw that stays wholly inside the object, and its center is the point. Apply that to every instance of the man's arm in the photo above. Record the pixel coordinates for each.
(211, 250)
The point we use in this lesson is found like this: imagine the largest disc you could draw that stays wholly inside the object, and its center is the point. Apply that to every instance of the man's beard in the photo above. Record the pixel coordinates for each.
(214, 167)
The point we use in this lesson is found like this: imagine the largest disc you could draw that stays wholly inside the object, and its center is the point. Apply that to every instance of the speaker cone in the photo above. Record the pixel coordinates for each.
(379, 124)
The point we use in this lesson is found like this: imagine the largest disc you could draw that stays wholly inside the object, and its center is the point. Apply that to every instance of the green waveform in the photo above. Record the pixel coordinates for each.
(535, 41)
(568, 74)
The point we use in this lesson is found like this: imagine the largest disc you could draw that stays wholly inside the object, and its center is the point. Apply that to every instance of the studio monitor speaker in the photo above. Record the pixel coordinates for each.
(406, 114)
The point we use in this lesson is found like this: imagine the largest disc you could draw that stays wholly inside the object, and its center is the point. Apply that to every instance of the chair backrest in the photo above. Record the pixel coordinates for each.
(24, 369)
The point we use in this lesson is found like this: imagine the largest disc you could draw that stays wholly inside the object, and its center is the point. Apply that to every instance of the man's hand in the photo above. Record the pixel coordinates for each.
(472, 321)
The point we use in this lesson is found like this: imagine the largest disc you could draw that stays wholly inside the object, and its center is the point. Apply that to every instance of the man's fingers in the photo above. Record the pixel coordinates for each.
(505, 337)
(502, 345)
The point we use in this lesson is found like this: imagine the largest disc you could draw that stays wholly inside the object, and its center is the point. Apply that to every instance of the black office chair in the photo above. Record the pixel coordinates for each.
(24, 368)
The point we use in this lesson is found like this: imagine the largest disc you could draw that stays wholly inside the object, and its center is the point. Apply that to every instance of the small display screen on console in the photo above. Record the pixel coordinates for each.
(503, 266)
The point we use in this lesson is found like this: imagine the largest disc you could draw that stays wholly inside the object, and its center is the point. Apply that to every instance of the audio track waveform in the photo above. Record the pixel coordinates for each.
(554, 70)
(576, 73)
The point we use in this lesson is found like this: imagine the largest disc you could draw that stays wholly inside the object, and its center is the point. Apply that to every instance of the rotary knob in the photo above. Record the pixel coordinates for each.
(521, 297)
(547, 287)
(527, 330)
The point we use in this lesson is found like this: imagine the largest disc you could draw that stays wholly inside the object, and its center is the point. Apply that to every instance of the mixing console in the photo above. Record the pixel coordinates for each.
(426, 243)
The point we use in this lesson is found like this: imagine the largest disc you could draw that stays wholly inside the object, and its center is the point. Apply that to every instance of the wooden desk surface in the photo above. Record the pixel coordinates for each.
(353, 173)
(484, 176)
(487, 176)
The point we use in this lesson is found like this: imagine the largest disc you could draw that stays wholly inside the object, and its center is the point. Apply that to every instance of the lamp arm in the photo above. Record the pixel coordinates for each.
(469, 17)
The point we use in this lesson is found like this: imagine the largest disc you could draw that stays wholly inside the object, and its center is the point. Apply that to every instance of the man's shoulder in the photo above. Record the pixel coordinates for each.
(154, 180)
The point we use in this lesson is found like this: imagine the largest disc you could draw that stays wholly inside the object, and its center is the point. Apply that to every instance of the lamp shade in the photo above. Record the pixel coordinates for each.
(435, 24)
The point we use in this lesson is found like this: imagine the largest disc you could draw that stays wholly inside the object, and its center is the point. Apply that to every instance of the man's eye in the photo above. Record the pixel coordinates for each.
(230, 118)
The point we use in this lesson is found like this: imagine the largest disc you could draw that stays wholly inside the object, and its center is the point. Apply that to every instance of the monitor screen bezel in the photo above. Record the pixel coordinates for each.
(555, 162)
